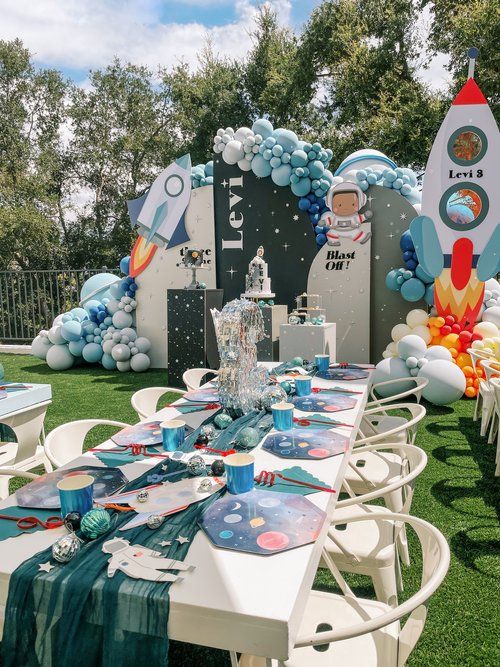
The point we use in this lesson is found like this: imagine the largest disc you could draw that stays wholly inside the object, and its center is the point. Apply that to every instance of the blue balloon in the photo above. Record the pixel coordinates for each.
(412, 289)
(97, 286)
(92, 353)
(71, 330)
(125, 265)
(423, 276)
(263, 127)
(281, 175)
(76, 347)
(320, 239)
(406, 242)
(108, 362)
(316, 168)
(209, 168)
(391, 280)
(408, 254)
(261, 167)
(287, 139)
(302, 188)
(299, 158)
(304, 204)
(101, 316)
(411, 264)
(314, 218)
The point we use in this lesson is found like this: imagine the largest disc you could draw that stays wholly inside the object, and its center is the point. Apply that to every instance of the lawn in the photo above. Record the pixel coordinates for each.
(457, 492)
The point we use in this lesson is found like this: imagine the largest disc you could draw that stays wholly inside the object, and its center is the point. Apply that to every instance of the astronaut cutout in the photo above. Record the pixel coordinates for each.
(344, 220)
(140, 562)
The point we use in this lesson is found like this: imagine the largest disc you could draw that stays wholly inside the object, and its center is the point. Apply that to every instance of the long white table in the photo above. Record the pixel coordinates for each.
(233, 601)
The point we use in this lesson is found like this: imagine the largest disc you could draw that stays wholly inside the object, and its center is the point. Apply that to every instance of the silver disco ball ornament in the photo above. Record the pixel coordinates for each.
(271, 395)
(142, 496)
(154, 521)
(196, 466)
(66, 548)
(209, 431)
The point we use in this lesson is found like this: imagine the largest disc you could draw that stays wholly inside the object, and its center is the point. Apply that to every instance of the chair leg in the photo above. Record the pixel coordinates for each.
(486, 411)
(476, 409)
(4, 487)
(385, 585)
(402, 545)
(47, 464)
(234, 658)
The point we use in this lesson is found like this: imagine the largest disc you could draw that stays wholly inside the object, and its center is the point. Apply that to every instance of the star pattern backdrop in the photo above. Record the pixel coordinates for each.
(252, 211)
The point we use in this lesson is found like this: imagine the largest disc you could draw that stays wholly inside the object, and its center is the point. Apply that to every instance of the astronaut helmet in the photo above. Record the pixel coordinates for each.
(345, 187)
(115, 545)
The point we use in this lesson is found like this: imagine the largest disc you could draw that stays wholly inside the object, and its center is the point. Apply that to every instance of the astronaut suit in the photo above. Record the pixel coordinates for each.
(344, 220)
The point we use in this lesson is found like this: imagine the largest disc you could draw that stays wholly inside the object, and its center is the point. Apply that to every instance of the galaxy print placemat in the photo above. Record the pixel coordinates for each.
(205, 395)
(324, 403)
(147, 434)
(305, 444)
(43, 493)
(262, 522)
(341, 373)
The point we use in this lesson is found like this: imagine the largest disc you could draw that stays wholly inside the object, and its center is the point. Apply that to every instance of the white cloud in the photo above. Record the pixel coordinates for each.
(87, 34)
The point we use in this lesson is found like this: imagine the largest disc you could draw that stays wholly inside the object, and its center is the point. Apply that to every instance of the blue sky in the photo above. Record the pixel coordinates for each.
(77, 35)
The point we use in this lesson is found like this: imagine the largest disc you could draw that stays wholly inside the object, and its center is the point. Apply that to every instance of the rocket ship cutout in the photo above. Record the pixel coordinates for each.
(457, 237)
(159, 214)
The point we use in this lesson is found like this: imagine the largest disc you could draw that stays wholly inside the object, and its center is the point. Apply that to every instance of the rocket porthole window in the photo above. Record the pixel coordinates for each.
(464, 206)
(174, 185)
(467, 145)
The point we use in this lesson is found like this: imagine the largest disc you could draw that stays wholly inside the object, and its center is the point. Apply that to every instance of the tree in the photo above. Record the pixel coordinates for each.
(456, 26)
(31, 115)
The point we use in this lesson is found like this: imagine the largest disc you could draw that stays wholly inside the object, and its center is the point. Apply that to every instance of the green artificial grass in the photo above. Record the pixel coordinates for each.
(457, 492)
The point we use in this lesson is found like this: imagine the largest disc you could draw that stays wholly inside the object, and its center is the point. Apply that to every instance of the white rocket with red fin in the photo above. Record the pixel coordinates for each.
(457, 236)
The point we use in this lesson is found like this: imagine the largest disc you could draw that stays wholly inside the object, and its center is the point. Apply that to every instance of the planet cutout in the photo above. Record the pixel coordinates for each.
(273, 540)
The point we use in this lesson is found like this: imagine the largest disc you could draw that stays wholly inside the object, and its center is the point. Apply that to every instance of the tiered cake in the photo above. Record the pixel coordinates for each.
(257, 281)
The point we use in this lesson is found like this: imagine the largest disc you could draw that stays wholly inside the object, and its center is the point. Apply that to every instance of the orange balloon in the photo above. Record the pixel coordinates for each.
(468, 371)
(469, 382)
(451, 340)
(436, 340)
(476, 383)
(453, 352)
(479, 372)
(440, 322)
(470, 392)
(434, 331)
(464, 359)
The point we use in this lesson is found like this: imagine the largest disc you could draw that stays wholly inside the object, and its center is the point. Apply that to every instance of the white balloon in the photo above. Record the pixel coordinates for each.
(233, 152)
(423, 333)
(485, 328)
(417, 317)
(399, 331)
(140, 362)
(446, 382)
(242, 133)
(438, 352)
(58, 320)
(55, 336)
(123, 366)
(245, 165)
(40, 346)
(143, 344)
(59, 358)
(392, 348)
(112, 306)
(492, 315)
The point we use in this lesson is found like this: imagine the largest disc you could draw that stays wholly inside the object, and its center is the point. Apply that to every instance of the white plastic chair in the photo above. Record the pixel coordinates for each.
(416, 391)
(364, 633)
(65, 442)
(488, 418)
(495, 383)
(372, 549)
(484, 398)
(194, 377)
(6, 474)
(27, 453)
(145, 401)
(377, 425)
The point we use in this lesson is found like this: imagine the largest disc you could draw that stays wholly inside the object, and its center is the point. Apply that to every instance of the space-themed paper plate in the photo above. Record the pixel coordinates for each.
(305, 444)
(318, 421)
(351, 372)
(262, 522)
(43, 493)
(144, 433)
(205, 395)
(324, 402)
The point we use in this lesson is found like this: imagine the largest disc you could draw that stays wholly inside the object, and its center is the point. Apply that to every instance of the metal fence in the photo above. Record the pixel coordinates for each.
(30, 300)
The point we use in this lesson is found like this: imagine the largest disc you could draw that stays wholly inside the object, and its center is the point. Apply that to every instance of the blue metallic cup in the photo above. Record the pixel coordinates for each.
(303, 385)
(322, 362)
(282, 416)
(173, 433)
(76, 493)
(239, 473)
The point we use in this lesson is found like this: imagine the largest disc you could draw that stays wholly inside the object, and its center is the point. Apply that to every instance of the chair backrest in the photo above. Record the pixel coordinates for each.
(495, 383)
(414, 462)
(193, 377)
(491, 368)
(478, 355)
(145, 401)
(65, 442)
(416, 391)
(370, 434)
(435, 564)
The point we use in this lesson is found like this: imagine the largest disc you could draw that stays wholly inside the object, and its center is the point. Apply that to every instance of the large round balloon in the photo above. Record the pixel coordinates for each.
(492, 315)
(40, 346)
(55, 335)
(417, 317)
(438, 352)
(71, 330)
(108, 362)
(446, 382)
(411, 346)
(92, 353)
(120, 352)
(59, 358)
(97, 287)
(140, 362)
(398, 331)
(393, 368)
(121, 319)
(76, 347)
(143, 344)
(413, 289)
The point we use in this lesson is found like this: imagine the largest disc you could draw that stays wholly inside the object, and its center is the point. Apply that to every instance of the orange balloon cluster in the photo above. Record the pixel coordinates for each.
(446, 331)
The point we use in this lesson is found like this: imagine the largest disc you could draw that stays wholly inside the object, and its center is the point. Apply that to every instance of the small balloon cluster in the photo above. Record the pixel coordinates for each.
(315, 206)
(411, 280)
(102, 331)
(202, 174)
(402, 179)
(280, 154)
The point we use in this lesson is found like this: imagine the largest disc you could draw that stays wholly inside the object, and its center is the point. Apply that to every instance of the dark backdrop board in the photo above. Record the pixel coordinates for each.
(392, 214)
(250, 212)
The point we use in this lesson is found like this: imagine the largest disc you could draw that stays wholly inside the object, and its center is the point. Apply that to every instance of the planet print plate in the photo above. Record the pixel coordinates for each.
(144, 433)
(305, 444)
(205, 395)
(324, 403)
(262, 522)
(337, 373)
(43, 493)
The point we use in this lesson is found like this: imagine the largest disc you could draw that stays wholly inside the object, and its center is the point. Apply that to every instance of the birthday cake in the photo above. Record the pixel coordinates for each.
(257, 281)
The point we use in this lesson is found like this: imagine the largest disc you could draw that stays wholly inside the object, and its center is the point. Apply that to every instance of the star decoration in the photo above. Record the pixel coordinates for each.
(295, 217)
(286, 246)
(224, 183)
(165, 543)
(164, 467)
(181, 540)
(403, 216)
(45, 567)
(231, 271)
(276, 231)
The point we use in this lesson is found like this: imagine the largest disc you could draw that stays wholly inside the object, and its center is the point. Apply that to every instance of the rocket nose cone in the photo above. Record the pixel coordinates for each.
(184, 162)
(470, 93)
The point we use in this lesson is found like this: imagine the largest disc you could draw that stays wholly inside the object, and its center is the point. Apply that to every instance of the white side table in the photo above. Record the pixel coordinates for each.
(299, 340)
